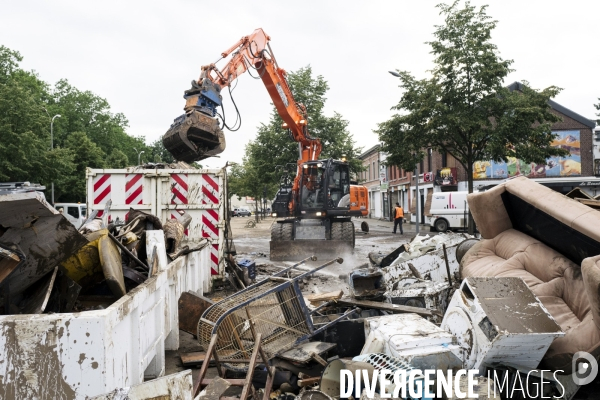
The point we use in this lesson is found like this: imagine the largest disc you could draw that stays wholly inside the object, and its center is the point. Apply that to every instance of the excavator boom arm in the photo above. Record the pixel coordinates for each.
(254, 52)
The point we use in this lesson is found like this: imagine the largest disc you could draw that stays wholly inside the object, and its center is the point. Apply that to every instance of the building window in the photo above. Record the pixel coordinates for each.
(429, 160)
(421, 166)
(368, 173)
(444, 159)
(374, 171)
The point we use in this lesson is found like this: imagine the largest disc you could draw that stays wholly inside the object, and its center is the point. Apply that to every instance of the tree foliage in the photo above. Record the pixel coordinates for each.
(597, 108)
(464, 109)
(273, 146)
(87, 133)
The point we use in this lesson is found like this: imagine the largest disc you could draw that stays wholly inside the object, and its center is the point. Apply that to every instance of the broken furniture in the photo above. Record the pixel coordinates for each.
(273, 307)
(539, 235)
(499, 321)
(211, 354)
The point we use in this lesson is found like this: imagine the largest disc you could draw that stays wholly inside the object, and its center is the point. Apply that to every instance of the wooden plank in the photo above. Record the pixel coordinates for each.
(396, 308)
(248, 384)
(329, 296)
(204, 368)
(193, 358)
(269, 382)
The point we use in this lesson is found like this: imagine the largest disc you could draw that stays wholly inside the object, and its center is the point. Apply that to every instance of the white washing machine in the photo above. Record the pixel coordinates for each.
(499, 321)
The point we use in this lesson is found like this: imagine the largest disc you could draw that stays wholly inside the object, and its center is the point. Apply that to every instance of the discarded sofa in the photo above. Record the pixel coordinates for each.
(552, 242)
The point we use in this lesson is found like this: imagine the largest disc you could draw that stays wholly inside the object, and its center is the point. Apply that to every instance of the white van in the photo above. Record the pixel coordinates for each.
(448, 210)
(75, 213)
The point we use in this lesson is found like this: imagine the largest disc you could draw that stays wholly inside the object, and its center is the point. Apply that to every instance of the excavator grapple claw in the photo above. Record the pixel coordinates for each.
(194, 136)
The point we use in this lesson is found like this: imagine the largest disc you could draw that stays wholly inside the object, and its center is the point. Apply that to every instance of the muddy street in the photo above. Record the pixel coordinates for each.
(253, 243)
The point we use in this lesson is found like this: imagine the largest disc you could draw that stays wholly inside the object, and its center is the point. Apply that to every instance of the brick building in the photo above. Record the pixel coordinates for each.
(374, 178)
(441, 172)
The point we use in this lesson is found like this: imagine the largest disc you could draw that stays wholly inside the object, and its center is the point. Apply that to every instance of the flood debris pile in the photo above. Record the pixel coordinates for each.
(510, 308)
(48, 266)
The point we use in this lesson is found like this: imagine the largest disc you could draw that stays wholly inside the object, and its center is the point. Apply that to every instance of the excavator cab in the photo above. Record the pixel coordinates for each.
(325, 186)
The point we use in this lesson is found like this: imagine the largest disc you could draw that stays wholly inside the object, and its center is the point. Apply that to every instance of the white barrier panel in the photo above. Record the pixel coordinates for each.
(74, 355)
(189, 273)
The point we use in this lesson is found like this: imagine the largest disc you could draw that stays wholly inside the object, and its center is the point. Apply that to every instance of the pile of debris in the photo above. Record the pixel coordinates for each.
(404, 314)
(48, 266)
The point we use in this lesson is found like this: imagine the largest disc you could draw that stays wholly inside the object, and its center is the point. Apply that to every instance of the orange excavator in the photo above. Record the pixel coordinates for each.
(314, 209)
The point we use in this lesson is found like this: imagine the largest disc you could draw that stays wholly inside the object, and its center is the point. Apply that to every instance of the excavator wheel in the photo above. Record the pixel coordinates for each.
(194, 136)
(281, 232)
(287, 232)
(276, 232)
(348, 232)
(336, 231)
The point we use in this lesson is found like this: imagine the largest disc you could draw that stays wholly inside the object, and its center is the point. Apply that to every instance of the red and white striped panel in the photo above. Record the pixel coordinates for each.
(134, 187)
(210, 218)
(179, 189)
(179, 193)
(102, 190)
(210, 221)
(210, 189)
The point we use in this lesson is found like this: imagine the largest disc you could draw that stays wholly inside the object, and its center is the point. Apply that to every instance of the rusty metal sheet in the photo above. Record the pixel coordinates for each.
(42, 233)
(297, 250)
(191, 308)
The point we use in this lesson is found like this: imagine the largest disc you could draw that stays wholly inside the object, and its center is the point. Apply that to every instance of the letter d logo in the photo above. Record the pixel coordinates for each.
(585, 368)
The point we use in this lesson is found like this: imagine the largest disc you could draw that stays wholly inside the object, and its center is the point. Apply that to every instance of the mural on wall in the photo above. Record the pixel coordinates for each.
(554, 166)
(446, 177)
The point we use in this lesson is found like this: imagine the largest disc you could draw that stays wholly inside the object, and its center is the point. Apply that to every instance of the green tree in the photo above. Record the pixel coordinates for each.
(158, 153)
(273, 146)
(597, 108)
(24, 127)
(86, 154)
(464, 109)
(117, 159)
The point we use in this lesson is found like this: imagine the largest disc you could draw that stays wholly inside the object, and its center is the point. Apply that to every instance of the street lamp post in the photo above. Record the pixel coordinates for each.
(139, 155)
(52, 142)
(417, 195)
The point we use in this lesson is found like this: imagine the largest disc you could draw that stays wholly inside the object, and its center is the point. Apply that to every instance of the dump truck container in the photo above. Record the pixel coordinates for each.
(166, 193)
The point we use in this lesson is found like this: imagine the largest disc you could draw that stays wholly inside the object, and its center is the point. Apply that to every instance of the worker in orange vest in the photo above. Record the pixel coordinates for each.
(398, 217)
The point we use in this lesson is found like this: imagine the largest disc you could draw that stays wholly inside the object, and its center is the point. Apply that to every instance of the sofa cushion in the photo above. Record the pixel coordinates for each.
(591, 277)
(583, 337)
(560, 311)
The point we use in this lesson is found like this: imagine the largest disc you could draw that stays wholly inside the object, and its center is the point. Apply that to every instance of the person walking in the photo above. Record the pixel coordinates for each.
(398, 217)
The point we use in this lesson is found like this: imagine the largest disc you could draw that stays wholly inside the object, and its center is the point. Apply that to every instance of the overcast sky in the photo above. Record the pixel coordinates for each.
(142, 55)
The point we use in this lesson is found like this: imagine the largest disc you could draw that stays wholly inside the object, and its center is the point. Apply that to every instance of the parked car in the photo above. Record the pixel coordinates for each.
(241, 212)
(76, 213)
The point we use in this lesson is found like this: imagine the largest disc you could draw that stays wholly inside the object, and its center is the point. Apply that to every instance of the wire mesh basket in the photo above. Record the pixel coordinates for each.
(273, 307)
